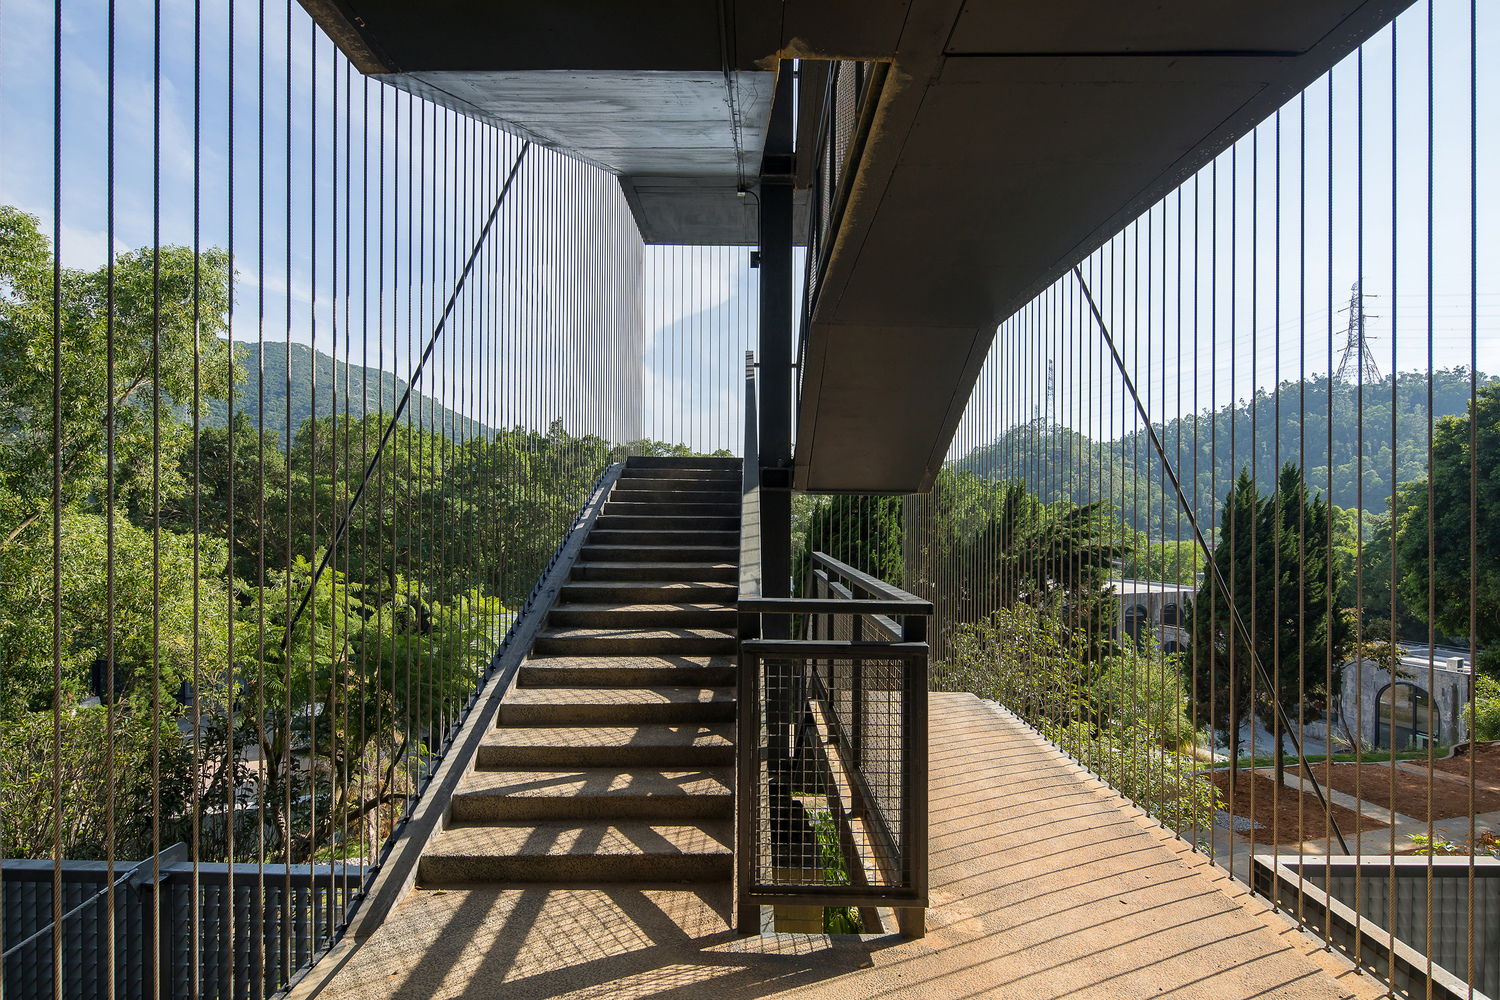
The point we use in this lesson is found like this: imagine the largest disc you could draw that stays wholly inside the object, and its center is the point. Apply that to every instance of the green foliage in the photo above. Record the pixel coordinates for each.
(94, 758)
(1164, 562)
(1290, 420)
(1123, 714)
(181, 542)
(169, 307)
(863, 531)
(335, 387)
(1168, 784)
(1010, 548)
(1439, 555)
(836, 919)
(1274, 559)
(167, 615)
(1486, 707)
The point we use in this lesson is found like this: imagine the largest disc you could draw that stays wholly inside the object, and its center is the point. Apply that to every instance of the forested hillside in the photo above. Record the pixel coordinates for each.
(340, 388)
(1211, 448)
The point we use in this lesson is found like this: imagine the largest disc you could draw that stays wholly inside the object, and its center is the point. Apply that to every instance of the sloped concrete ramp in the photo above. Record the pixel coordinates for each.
(1044, 884)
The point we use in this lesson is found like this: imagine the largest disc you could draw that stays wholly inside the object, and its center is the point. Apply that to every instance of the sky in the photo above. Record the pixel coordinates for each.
(696, 306)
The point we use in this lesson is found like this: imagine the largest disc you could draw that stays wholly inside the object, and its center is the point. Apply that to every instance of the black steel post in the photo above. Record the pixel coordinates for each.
(775, 383)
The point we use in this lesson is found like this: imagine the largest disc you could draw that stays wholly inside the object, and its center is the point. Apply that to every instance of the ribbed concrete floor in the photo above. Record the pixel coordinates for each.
(1044, 884)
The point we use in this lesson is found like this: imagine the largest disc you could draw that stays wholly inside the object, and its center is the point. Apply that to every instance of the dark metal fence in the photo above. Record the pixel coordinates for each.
(226, 931)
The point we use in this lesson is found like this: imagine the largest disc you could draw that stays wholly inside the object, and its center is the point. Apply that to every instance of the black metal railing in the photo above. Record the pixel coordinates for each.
(832, 734)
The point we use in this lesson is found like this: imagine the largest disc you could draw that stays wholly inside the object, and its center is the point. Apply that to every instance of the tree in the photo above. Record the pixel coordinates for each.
(1274, 559)
(171, 299)
(1014, 549)
(1456, 524)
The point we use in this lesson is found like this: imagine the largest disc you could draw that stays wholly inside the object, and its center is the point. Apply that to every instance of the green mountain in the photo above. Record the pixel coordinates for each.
(340, 388)
(1210, 448)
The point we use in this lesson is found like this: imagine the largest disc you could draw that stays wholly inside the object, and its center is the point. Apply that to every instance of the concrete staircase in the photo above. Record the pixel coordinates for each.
(612, 760)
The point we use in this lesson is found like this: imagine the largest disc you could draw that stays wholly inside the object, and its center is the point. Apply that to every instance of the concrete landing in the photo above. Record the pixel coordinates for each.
(1043, 884)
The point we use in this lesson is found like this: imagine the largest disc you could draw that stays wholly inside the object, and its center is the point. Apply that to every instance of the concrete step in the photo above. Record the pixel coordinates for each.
(676, 536)
(676, 498)
(667, 705)
(628, 851)
(709, 475)
(633, 642)
(666, 509)
(654, 462)
(683, 746)
(670, 592)
(724, 571)
(659, 553)
(723, 484)
(642, 616)
(647, 522)
(607, 794)
(628, 671)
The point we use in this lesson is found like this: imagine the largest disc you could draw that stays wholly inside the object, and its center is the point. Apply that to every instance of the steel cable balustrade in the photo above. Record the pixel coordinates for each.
(1310, 664)
(285, 456)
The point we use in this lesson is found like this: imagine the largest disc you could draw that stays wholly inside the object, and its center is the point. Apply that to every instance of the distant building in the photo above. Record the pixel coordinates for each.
(1412, 708)
(1150, 608)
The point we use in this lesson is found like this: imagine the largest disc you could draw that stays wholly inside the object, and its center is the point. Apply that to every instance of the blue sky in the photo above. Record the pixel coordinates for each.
(688, 295)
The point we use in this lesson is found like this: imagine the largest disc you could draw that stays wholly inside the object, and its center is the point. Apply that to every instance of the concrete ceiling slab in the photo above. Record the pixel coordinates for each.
(1010, 139)
(1000, 155)
(1079, 27)
(656, 122)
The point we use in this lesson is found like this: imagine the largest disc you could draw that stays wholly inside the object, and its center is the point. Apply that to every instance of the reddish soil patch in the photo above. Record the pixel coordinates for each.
(1275, 812)
(1486, 764)
(1449, 798)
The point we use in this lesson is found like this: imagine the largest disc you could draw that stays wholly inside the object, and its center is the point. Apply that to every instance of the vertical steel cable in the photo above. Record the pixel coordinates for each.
(1359, 492)
(1329, 609)
(111, 709)
(1469, 953)
(1431, 529)
(156, 845)
(194, 797)
(57, 437)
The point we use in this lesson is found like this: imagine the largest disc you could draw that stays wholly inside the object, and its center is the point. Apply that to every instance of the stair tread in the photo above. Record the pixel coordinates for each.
(561, 838)
(585, 564)
(588, 632)
(603, 606)
(654, 661)
(598, 782)
(653, 548)
(662, 695)
(608, 587)
(689, 735)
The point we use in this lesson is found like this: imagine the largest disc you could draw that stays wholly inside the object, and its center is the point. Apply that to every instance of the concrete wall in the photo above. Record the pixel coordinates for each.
(1363, 684)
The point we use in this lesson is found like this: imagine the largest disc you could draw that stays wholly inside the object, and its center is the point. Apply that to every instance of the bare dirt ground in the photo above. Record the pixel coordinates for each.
(1414, 788)
(1276, 812)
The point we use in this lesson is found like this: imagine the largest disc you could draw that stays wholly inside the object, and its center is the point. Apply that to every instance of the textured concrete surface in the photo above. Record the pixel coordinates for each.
(1044, 884)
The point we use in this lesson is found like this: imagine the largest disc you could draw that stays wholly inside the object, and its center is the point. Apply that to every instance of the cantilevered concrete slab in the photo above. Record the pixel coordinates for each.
(1010, 138)
(1044, 884)
(673, 97)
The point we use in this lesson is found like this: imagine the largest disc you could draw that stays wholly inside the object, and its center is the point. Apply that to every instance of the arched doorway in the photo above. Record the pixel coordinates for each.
(1137, 623)
(1405, 716)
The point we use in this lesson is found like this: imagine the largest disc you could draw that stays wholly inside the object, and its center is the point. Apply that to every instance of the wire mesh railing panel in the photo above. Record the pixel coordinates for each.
(1214, 521)
(834, 739)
